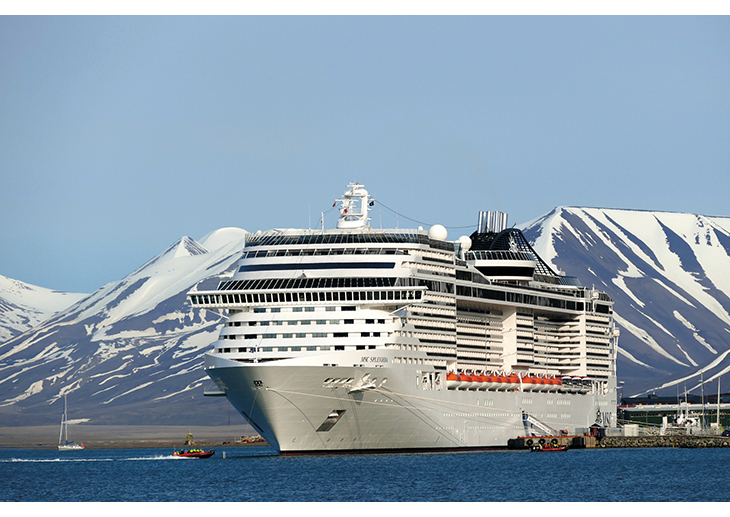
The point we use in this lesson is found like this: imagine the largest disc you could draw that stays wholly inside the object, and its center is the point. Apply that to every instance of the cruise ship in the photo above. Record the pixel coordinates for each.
(356, 339)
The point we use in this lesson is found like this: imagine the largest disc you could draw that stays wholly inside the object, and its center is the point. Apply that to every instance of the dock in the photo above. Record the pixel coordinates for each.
(686, 441)
(574, 442)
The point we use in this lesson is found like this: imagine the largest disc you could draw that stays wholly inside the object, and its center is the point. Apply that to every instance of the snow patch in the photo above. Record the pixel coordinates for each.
(34, 388)
(646, 338)
(694, 330)
(686, 355)
(633, 359)
(142, 386)
(655, 322)
(675, 293)
(621, 284)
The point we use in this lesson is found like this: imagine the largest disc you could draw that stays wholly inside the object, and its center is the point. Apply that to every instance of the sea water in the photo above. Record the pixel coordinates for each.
(259, 474)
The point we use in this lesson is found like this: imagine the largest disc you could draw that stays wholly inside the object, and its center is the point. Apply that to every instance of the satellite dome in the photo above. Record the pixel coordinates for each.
(437, 233)
(465, 242)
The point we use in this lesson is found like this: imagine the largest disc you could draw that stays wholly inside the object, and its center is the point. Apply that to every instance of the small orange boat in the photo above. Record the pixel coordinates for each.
(194, 453)
(548, 447)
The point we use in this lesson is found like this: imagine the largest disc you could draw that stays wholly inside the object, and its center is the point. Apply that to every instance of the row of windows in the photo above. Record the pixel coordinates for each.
(301, 335)
(330, 296)
(540, 301)
(310, 348)
(316, 265)
(253, 323)
(262, 310)
(499, 255)
(311, 283)
(309, 252)
(403, 237)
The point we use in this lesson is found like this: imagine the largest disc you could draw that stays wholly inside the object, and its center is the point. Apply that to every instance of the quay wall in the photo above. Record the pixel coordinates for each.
(683, 441)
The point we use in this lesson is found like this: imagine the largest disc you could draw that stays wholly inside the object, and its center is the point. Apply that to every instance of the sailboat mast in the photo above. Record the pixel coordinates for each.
(718, 402)
(60, 432)
(702, 385)
(65, 421)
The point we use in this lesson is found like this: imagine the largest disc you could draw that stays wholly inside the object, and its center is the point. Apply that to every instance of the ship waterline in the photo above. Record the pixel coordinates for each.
(355, 339)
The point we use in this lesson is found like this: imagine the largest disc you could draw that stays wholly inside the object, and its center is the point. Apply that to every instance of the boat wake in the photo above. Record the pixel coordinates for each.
(53, 460)
(156, 457)
(153, 458)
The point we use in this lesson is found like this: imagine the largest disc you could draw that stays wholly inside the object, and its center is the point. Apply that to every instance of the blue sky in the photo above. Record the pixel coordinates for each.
(119, 135)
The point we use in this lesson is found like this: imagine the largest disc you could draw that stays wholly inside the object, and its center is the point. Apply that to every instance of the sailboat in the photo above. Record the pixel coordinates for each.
(63, 443)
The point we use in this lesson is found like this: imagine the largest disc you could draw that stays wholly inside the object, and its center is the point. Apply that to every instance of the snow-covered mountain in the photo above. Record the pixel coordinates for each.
(23, 306)
(130, 352)
(669, 276)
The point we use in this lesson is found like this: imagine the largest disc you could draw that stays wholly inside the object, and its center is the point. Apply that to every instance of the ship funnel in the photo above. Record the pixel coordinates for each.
(492, 222)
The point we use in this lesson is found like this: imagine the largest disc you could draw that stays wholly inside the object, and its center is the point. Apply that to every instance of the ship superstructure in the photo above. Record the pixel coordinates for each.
(355, 338)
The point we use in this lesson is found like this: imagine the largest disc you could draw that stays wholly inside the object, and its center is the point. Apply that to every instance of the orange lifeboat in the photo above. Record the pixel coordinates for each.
(539, 384)
(466, 382)
(503, 382)
(528, 383)
(481, 380)
(552, 383)
(452, 381)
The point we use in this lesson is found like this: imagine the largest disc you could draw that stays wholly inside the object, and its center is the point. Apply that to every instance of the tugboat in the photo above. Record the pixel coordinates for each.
(194, 452)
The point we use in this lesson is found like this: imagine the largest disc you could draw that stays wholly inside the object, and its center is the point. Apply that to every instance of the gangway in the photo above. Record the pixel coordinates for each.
(531, 423)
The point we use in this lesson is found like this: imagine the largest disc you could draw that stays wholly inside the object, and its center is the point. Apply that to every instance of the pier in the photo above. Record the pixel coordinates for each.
(683, 441)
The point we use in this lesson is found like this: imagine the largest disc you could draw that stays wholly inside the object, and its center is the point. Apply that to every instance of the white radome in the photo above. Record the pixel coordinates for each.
(465, 242)
(438, 233)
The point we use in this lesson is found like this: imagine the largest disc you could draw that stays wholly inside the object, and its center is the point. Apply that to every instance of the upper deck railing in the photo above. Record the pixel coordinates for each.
(345, 237)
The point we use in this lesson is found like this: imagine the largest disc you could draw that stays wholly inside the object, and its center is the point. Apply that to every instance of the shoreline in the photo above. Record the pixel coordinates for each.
(125, 437)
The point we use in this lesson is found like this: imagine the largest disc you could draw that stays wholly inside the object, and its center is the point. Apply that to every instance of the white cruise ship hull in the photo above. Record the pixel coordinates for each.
(290, 406)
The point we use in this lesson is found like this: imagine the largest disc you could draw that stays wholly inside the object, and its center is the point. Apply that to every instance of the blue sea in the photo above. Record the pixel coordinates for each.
(258, 474)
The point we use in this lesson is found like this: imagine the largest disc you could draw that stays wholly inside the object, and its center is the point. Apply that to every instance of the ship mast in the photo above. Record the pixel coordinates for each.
(351, 215)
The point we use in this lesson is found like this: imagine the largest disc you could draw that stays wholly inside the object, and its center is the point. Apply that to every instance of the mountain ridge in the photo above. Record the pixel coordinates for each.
(132, 351)
(639, 258)
(131, 344)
